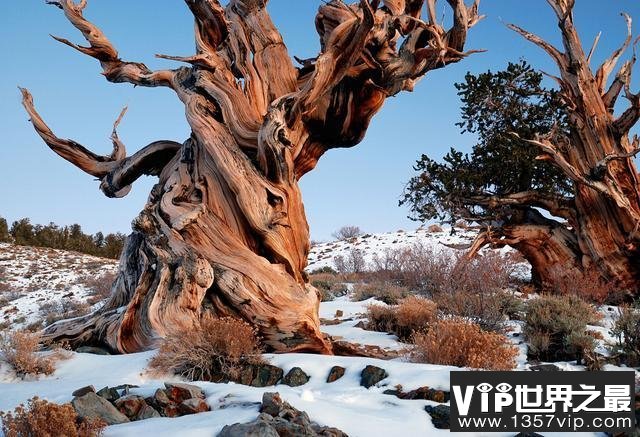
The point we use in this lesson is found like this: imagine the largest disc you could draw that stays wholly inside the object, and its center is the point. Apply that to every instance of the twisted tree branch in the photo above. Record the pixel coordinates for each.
(116, 171)
(114, 69)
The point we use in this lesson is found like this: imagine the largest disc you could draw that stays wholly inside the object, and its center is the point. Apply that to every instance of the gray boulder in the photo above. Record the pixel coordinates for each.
(92, 406)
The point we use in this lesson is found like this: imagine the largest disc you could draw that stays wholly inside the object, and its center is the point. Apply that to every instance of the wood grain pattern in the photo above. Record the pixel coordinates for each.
(224, 230)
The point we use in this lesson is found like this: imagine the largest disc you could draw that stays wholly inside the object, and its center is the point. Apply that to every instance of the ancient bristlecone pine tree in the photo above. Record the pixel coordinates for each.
(600, 230)
(224, 229)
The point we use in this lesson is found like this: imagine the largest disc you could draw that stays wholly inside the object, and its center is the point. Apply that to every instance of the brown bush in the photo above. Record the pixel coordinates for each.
(100, 286)
(412, 314)
(352, 263)
(382, 291)
(587, 285)
(424, 269)
(63, 309)
(459, 342)
(216, 350)
(347, 233)
(381, 318)
(329, 285)
(626, 329)
(19, 350)
(490, 309)
(556, 327)
(45, 419)
(434, 228)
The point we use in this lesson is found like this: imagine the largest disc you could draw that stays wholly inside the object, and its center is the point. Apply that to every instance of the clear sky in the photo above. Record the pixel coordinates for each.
(359, 186)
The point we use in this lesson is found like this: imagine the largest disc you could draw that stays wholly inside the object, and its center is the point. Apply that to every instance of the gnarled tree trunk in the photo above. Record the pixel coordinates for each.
(602, 219)
(224, 229)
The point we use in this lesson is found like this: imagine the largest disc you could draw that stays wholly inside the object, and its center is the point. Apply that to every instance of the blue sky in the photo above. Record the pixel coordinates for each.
(359, 186)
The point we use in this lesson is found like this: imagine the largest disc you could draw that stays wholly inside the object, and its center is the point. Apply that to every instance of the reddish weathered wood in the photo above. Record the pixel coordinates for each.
(224, 229)
(601, 231)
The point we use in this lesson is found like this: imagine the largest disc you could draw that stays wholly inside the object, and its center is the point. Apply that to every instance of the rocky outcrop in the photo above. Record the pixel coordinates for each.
(113, 407)
(92, 406)
(278, 418)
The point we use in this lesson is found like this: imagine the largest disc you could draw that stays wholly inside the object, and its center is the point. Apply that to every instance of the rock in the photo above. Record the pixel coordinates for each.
(179, 392)
(278, 418)
(84, 390)
(339, 313)
(271, 404)
(295, 377)
(545, 368)
(110, 394)
(147, 412)
(257, 428)
(92, 406)
(261, 375)
(161, 397)
(360, 325)
(423, 393)
(193, 406)
(335, 373)
(92, 350)
(130, 405)
(439, 415)
(371, 375)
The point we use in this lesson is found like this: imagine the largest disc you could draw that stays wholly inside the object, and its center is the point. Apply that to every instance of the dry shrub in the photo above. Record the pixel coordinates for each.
(347, 233)
(588, 285)
(462, 343)
(329, 285)
(434, 228)
(19, 350)
(44, 419)
(100, 286)
(490, 310)
(412, 314)
(383, 291)
(216, 350)
(381, 318)
(474, 288)
(626, 330)
(425, 269)
(556, 327)
(63, 309)
(353, 262)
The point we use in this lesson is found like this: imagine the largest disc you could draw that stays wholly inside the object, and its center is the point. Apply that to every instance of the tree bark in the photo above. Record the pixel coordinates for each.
(224, 229)
(600, 226)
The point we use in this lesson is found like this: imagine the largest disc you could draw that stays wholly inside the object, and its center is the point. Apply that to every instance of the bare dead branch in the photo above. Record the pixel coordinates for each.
(556, 205)
(114, 69)
(603, 72)
(559, 57)
(115, 171)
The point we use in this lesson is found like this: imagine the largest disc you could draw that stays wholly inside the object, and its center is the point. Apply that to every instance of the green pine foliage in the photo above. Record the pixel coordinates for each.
(495, 105)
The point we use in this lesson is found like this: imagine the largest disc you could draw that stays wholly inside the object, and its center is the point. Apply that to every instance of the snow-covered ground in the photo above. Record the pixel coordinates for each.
(44, 274)
(372, 245)
(31, 276)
